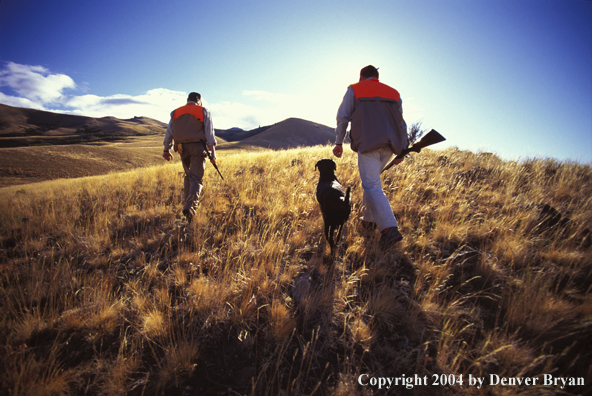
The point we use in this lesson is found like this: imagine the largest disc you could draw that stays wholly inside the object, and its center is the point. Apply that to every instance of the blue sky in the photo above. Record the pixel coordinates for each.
(509, 77)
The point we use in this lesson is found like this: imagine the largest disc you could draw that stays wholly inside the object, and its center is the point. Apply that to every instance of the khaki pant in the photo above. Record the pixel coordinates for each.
(377, 208)
(193, 158)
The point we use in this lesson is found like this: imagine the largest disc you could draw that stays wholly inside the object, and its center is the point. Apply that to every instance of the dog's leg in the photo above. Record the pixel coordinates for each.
(331, 240)
(331, 263)
(339, 233)
(328, 235)
(331, 259)
(333, 251)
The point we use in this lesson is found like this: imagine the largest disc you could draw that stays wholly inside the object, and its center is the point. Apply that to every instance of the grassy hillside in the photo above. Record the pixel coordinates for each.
(37, 146)
(22, 127)
(23, 165)
(104, 290)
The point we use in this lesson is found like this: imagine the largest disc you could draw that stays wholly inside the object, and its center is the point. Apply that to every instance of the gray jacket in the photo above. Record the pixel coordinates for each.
(376, 119)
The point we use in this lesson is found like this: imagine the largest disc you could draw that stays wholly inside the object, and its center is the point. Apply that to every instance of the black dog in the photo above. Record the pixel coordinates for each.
(334, 200)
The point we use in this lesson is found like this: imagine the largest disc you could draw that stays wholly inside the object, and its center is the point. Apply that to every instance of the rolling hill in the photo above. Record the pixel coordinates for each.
(290, 133)
(21, 127)
(39, 145)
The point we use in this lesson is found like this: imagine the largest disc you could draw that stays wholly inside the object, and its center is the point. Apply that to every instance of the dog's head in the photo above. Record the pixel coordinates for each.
(326, 167)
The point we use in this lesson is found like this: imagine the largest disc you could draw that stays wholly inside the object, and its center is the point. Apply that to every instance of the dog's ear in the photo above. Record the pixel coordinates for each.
(317, 164)
(334, 166)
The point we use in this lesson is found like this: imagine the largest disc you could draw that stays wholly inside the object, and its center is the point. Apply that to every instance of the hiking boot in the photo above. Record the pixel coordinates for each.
(188, 213)
(390, 238)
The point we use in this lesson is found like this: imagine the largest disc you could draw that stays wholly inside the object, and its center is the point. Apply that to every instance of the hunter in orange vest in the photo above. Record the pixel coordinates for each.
(378, 131)
(190, 126)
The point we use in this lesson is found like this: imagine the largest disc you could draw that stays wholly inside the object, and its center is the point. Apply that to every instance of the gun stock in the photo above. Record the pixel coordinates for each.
(432, 137)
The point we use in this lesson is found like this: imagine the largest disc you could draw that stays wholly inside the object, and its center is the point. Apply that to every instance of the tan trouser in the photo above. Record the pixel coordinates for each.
(377, 208)
(193, 158)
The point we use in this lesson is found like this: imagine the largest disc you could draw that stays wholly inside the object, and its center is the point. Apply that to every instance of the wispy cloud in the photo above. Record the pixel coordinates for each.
(122, 101)
(156, 103)
(35, 83)
(38, 88)
(20, 102)
(260, 108)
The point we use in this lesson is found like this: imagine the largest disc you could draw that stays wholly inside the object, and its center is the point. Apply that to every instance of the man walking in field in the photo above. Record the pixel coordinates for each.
(377, 131)
(189, 127)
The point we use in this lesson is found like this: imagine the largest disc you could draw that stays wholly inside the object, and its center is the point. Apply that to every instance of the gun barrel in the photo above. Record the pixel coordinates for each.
(210, 157)
(216, 166)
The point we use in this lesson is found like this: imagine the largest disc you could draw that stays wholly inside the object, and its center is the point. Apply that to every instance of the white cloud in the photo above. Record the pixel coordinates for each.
(262, 108)
(227, 115)
(37, 88)
(267, 108)
(20, 102)
(156, 103)
(35, 83)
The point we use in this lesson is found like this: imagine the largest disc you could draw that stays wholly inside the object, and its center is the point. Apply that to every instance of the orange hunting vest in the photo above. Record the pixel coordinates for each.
(377, 120)
(188, 123)
(194, 110)
(374, 89)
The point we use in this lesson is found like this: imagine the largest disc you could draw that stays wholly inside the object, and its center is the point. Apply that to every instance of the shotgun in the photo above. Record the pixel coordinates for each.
(432, 137)
(210, 157)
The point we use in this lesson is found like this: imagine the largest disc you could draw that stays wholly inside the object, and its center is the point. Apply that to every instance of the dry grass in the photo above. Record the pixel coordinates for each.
(104, 290)
(24, 165)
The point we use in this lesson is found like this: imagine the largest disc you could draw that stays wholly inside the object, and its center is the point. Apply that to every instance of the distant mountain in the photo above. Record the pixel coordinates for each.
(292, 132)
(22, 127)
(238, 134)
(67, 146)
(25, 127)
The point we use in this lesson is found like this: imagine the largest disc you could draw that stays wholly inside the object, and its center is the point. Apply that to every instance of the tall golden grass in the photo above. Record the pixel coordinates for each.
(105, 290)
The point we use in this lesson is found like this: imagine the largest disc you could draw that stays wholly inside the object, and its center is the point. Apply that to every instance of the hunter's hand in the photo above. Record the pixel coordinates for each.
(398, 161)
(213, 155)
(338, 150)
(166, 154)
